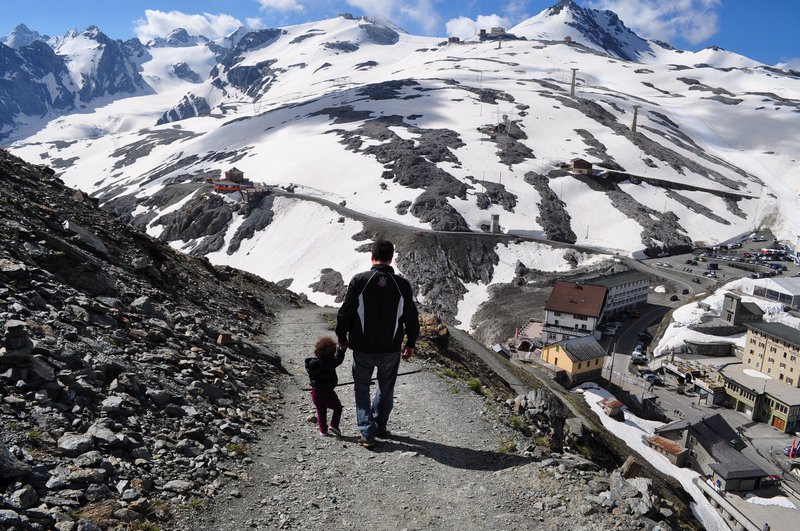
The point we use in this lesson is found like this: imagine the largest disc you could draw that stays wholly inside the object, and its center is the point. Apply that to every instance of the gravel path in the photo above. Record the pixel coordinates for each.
(441, 469)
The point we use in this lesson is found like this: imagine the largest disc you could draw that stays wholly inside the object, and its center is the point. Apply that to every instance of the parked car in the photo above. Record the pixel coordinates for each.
(788, 449)
(696, 280)
(673, 298)
(685, 291)
(639, 360)
(654, 379)
(770, 481)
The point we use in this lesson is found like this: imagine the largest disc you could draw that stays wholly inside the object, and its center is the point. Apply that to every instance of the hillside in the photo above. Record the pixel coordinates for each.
(438, 137)
(128, 371)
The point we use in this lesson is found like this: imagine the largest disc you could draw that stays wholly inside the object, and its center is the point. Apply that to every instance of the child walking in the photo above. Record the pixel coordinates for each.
(321, 371)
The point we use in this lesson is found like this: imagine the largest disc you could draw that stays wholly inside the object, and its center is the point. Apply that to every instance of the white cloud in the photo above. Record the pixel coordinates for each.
(692, 20)
(465, 28)
(423, 13)
(254, 22)
(159, 23)
(420, 12)
(516, 10)
(282, 5)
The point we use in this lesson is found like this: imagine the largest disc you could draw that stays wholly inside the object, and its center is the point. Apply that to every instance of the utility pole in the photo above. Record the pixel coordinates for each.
(572, 86)
(635, 115)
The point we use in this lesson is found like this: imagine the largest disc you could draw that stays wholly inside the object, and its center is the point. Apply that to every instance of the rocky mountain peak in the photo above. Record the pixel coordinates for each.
(21, 36)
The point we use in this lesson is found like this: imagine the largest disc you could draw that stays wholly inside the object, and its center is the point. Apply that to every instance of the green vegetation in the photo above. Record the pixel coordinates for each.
(516, 422)
(145, 525)
(454, 389)
(34, 437)
(544, 474)
(196, 503)
(507, 446)
(330, 320)
(446, 372)
(475, 385)
(236, 448)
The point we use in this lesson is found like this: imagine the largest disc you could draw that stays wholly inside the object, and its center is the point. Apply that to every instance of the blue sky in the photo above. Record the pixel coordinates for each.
(764, 31)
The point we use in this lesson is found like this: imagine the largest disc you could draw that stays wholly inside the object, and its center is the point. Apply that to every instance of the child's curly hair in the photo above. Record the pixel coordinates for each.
(325, 347)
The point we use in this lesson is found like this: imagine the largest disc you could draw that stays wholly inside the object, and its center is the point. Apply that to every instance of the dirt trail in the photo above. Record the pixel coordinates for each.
(436, 468)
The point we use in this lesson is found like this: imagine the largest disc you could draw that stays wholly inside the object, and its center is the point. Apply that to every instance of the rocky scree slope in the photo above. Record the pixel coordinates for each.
(131, 376)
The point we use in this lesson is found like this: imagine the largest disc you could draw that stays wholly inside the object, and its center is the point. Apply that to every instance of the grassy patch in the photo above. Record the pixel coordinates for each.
(507, 446)
(446, 372)
(144, 525)
(34, 437)
(196, 503)
(236, 448)
(454, 389)
(330, 319)
(516, 422)
(475, 385)
(545, 474)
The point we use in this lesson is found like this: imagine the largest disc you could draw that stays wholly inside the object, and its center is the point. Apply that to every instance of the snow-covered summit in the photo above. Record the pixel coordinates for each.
(21, 36)
(599, 30)
(178, 38)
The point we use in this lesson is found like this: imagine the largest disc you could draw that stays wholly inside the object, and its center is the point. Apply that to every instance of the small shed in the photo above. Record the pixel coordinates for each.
(581, 166)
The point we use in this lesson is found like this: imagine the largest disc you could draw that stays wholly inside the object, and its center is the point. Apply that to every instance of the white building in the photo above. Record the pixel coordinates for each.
(783, 290)
(573, 310)
(626, 290)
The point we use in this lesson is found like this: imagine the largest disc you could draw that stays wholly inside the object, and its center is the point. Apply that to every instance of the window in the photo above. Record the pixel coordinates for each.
(789, 381)
(780, 377)
(579, 365)
(782, 365)
(773, 349)
(771, 360)
(557, 314)
(769, 371)
(555, 361)
(597, 361)
(749, 360)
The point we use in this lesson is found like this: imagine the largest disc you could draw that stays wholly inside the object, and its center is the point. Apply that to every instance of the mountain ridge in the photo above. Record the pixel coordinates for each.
(440, 136)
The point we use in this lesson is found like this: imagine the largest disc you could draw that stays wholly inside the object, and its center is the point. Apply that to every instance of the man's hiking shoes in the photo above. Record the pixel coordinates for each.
(335, 431)
(383, 434)
(366, 443)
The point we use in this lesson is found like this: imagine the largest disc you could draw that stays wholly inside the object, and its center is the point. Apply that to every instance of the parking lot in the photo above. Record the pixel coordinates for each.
(758, 257)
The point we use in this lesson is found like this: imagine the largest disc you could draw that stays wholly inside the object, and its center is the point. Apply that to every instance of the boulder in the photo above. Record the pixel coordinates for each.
(10, 466)
(73, 445)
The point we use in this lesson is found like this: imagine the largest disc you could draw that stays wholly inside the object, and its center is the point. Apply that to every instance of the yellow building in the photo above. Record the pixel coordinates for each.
(774, 349)
(580, 358)
(766, 386)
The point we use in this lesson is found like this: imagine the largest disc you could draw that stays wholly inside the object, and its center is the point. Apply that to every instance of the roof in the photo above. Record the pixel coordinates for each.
(778, 331)
(576, 298)
(732, 464)
(778, 390)
(708, 429)
(668, 445)
(752, 308)
(580, 162)
(582, 348)
(611, 403)
(618, 279)
(789, 285)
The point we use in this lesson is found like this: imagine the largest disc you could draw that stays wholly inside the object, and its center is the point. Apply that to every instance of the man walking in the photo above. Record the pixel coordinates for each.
(377, 312)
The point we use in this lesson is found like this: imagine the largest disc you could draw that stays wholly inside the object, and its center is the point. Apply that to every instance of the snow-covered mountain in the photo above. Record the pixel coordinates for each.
(45, 78)
(375, 129)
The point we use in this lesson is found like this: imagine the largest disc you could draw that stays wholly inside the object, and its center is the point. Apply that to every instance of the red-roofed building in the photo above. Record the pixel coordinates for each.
(573, 310)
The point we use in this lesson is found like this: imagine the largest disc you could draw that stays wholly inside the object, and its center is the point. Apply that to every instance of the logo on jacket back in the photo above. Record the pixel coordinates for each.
(382, 281)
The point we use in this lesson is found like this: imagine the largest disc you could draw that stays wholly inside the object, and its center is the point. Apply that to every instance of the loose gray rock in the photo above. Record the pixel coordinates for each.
(73, 445)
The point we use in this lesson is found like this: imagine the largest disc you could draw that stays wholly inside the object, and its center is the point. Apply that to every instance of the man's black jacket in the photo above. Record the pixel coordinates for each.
(377, 311)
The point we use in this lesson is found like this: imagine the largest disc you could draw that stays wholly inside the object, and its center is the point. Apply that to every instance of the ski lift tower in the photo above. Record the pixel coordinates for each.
(572, 85)
(635, 116)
